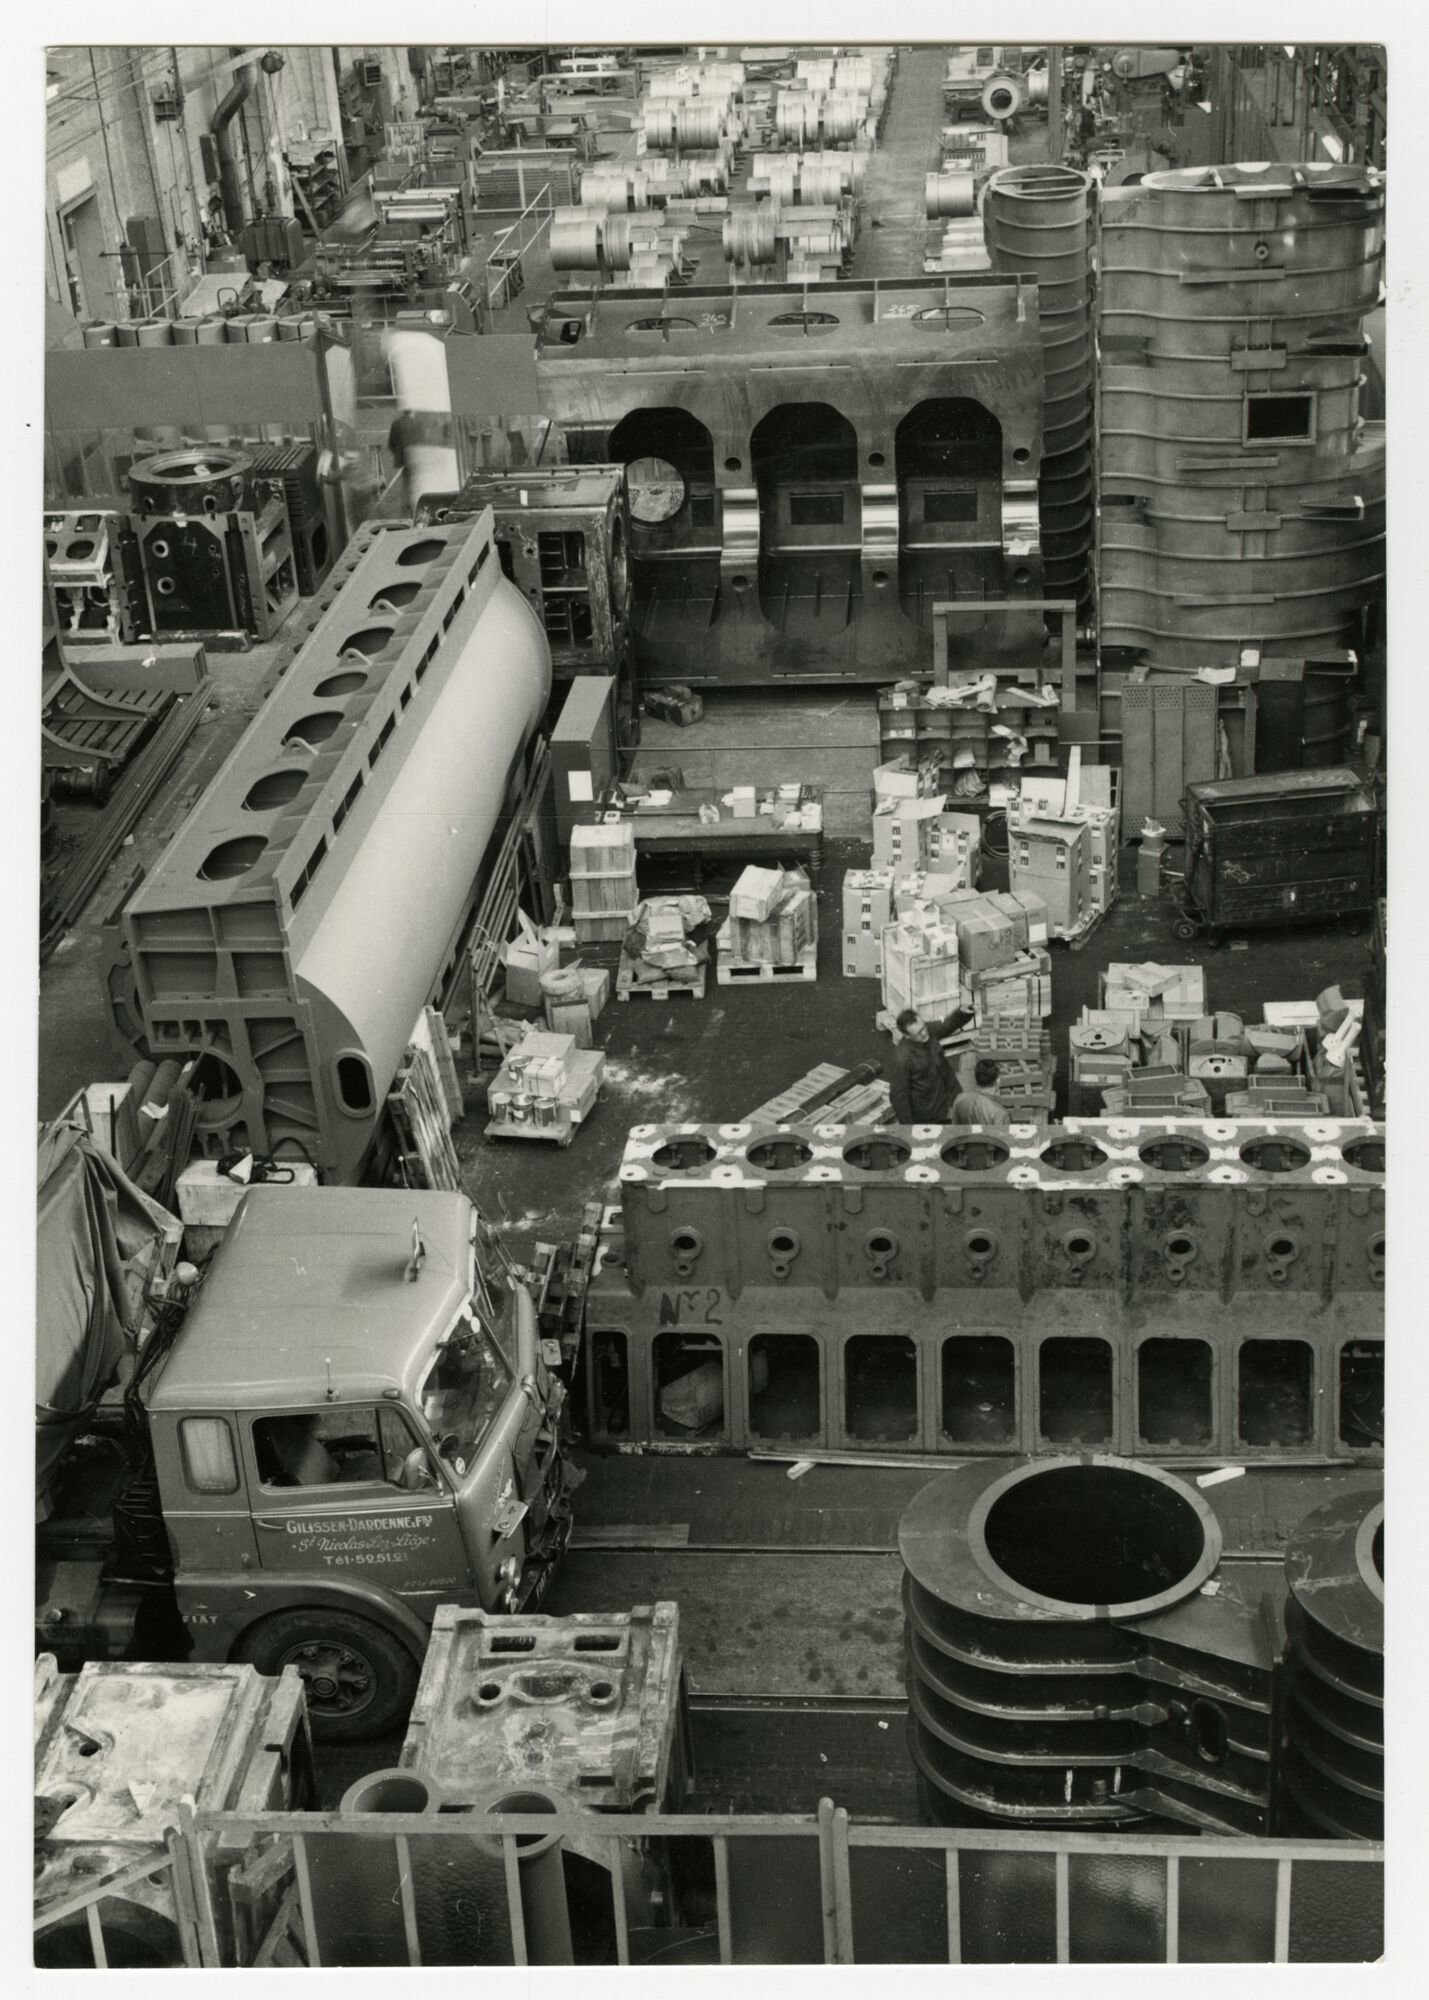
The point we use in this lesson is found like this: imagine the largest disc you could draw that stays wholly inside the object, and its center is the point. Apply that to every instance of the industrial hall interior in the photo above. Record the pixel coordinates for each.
(728, 703)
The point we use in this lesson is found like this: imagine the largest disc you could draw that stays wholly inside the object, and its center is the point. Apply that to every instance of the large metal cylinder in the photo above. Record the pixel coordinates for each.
(1003, 95)
(1062, 1669)
(418, 362)
(1332, 1754)
(1242, 492)
(576, 235)
(1038, 219)
(946, 194)
(750, 235)
(194, 481)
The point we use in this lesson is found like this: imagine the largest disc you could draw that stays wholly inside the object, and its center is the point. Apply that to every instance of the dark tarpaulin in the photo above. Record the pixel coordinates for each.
(97, 1236)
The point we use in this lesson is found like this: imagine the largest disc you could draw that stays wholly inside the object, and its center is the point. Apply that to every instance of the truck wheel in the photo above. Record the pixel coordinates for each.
(359, 1680)
(1185, 929)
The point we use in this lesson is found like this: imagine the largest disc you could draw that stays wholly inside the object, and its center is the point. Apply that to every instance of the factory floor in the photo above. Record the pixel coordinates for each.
(789, 1592)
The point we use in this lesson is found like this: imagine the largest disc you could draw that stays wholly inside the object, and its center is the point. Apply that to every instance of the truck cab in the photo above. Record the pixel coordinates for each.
(350, 1429)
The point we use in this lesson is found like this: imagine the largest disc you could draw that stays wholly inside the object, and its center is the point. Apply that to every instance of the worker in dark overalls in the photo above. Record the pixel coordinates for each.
(919, 1079)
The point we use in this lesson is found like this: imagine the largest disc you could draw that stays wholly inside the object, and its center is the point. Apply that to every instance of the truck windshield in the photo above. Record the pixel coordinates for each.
(462, 1391)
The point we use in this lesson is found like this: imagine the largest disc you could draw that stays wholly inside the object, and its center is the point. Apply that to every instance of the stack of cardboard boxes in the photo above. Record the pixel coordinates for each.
(661, 951)
(545, 1089)
(1066, 852)
(773, 921)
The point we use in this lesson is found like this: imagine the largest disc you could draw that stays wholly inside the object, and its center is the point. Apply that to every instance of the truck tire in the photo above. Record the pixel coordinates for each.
(359, 1680)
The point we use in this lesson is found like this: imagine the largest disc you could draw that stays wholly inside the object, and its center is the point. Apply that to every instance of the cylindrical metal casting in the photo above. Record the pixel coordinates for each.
(1332, 1753)
(545, 1914)
(1038, 219)
(194, 481)
(948, 193)
(1034, 1597)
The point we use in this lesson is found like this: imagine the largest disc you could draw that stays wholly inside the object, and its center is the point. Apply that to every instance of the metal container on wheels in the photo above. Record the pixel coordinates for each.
(1291, 847)
(1038, 219)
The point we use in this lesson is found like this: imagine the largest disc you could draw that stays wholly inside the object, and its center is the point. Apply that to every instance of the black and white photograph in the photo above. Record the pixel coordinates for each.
(710, 848)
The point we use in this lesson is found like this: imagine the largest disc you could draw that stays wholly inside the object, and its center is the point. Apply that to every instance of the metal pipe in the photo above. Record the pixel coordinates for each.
(244, 84)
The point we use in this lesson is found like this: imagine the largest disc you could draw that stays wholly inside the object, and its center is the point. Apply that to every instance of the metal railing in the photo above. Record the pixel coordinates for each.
(824, 1887)
(504, 262)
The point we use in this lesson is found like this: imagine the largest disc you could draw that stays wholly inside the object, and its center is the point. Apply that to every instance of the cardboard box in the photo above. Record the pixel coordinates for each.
(924, 885)
(1035, 909)
(902, 833)
(897, 781)
(596, 981)
(1016, 915)
(867, 899)
(789, 930)
(956, 841)
(570, 1017)
(744, 802)
(920, 968)
(755, 894)
(526, 957)
(986, 940)
(862, 955)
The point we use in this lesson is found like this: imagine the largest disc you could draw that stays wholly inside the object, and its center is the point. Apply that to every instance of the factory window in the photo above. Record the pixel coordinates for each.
(1280, 419)
(1173, 1392)
(609, 1352)
(354, 1084)
(689, 1386)
(1077, 1403)
(784, 1399)
(210, 1465)
(816, 510)
(881, 1388)
(950, 504)
(1362, 1393)
(979, 1390)
(1277, 1381)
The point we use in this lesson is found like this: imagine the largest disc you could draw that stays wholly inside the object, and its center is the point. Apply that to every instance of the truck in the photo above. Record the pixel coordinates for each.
(341, 1424)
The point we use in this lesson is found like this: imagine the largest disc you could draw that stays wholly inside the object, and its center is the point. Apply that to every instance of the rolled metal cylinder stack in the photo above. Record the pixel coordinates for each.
(1332, 1754)
(1064, 1668)
(1242, 491)
(1038, 219)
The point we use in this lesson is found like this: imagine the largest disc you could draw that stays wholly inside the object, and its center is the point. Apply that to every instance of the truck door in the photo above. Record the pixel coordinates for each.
(350, 1487)
(205, 1508)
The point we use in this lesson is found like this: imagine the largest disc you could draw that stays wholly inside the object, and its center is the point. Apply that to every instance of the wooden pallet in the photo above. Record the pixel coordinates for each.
(666, 990)
(560, 1133)
(734, 971)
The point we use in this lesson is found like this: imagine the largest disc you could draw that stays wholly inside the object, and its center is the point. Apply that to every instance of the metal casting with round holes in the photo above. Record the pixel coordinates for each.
(1275, 1155)
(232, 858)
(804, 322)
(372, 640)
(337, 685)
(1366, 1155)
(277, 788)
(421, 553)
(975, 1156)
(394, 596)
(665, 323)
(878, 1155)
(779, 1155)
(1080, 1247)
(685, 1246)
(682, 1156)
(1072, 1156)
(783, 1246)
(951, 317)
(1095, 1539)
(314, 728)
(1174, 1154)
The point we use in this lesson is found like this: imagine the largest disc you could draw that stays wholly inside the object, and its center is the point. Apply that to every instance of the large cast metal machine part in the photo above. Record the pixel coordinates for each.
(563, 536)
(1066, 1666)
(309, 905)
(810, 467)
(117, 1747)
(1332, 1755)
(1164, 1289)
(215, 546)
(1242, 494)
(1039, 219)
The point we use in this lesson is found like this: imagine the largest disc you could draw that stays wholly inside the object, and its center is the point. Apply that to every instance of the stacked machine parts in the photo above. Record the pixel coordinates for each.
(214, 543)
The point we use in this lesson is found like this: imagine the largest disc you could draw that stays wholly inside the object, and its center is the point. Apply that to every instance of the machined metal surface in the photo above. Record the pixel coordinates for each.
(1075, 1660)
(1332, 1755)
(797, 416)
(308, 906)
(1160, 1288)
(1242, 493)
